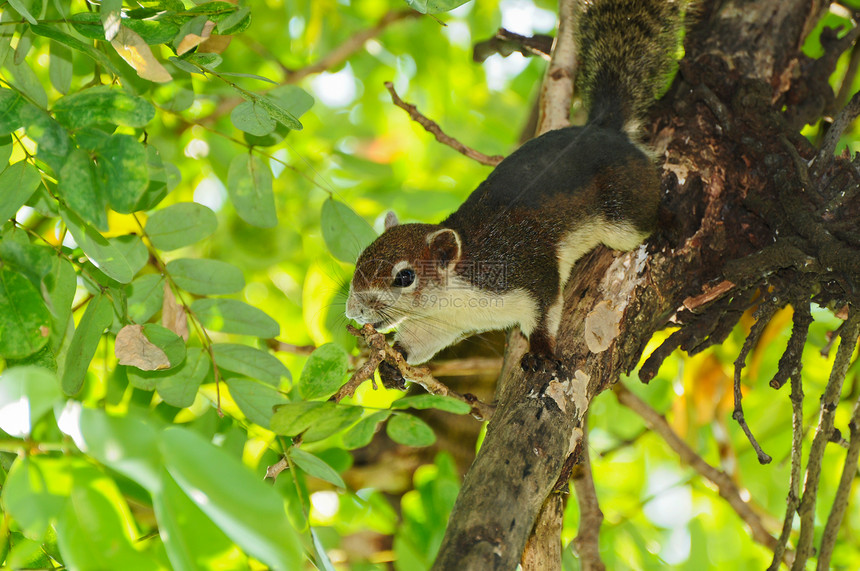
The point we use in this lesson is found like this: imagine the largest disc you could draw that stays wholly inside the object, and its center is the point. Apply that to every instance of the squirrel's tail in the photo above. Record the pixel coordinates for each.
(626, 48)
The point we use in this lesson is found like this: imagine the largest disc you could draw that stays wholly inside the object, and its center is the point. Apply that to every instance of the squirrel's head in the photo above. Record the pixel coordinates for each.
(398, 268)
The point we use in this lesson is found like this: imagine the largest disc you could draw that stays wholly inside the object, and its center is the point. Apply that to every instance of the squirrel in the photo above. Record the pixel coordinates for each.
(503, 258)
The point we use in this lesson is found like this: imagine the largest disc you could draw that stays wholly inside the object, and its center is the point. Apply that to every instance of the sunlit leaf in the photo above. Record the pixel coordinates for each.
(122, 171)
(249, 183)
(25, 322)
(362, 433)
(180, 225)
(35, 492)
(60, 66)
(252, 118)
(206, 277)
(80, 190)
(26, 394)
(345, 233)
(250, 362)
(136, 53)
(107, 256)
(255, 399)
(180, 387)
(315, 467)
(324, 371)
(103, 105)
(97, 317)
(18, 182)
(422, 402)
(234, 316)
(434, 6)
(409, 430)
(247, 510)
(145, 296)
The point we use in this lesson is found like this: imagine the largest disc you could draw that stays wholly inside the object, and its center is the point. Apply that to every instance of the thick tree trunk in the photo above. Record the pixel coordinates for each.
(742, 210)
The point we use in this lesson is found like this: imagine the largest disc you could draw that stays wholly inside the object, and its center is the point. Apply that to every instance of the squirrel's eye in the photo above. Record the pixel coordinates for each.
(404, 278)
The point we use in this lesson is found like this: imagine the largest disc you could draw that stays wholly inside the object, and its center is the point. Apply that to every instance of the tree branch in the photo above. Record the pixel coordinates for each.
(433, 128)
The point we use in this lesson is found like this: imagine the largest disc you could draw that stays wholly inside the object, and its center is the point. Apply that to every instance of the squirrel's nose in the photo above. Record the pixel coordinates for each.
(354, 310)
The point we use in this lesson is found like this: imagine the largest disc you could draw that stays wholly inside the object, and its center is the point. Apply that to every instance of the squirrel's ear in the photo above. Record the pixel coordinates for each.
(391, 220)
(445, 246)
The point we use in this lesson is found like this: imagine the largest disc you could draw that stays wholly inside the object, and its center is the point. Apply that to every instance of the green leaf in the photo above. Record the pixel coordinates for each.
(279, 112)
(79, 189)
(103, 104)
(190, 537)
(26, 394)
(346, 234)
(123, 172)
(205, 277)
(250, 75)
(168, 341)
(315, 467)
(127, 444)
(97, 317)
(252, 118)
(422, 402)
(132, 249)
(409, 430)
(323, 372)
(92, 532)
(28, 82)
(35, 492)
(362, 433)
(14, 110)
(163, 177)
(60, 66)
(250, 362)
(235, 23)
(60, 285)
(314, 420)
(25, 322)
(18, 182)
(434, 6)
(184, 65)
(255, 399)
(179, 388)
(180, 225)
(76, 44)
(145, 296)
(21, 8)
(234, 316)
(249, 183)
(204, 59)
(153, 32)
(106, 255)
(247, 510)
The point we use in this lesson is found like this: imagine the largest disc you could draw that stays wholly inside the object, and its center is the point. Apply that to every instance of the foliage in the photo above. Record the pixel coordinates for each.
(167, 213)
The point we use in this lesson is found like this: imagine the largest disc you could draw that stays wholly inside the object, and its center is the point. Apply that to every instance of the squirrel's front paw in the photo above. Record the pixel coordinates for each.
(540, 363)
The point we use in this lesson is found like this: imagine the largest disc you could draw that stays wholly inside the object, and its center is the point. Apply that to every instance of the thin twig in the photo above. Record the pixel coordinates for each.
(840, 501)
(762, 315)
(791, 358)
(381, 350)
(433, 128)
(506, 42)
(724, 483)
(848, 81)
(831, 139)
(793, 499)
(829, 400)
(352, 45)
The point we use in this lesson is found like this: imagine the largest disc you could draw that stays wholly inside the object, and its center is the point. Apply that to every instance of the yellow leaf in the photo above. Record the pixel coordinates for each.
(190, 41)
(131, 47)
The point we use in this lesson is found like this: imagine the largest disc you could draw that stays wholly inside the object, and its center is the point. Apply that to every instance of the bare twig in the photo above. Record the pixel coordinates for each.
(793, 499)
(506, 42)
(762, 315)
(432, 127)
(381, 350)
(355, 43)
(557, 89)
(829, 400)
(791, 359)
(587, 539)
(840, 501)
(282, 347)
(726, 486)
(709, 295)
(831, 139)
(273, 471)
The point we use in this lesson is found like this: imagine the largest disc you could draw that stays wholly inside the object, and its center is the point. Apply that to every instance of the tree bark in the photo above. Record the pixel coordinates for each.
(742, 212)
